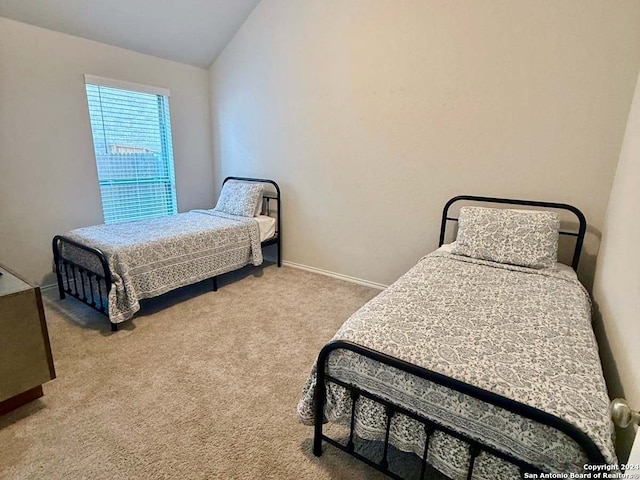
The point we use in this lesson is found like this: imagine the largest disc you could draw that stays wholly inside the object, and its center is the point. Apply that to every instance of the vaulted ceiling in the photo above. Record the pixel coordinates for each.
(186, 31)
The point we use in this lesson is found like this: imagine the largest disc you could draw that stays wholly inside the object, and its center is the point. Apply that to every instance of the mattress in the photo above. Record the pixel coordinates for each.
(153, 256)
(521, 333)
(267, 226)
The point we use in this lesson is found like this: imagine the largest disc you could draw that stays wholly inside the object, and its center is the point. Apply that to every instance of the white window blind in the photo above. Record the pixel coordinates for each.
(134, 154)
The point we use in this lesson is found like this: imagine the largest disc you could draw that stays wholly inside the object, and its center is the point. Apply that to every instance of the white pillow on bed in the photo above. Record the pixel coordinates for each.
(528, 238)
(240, 198)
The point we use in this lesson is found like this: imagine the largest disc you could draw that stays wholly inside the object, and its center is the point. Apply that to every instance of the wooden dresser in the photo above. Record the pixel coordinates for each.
(25, 353)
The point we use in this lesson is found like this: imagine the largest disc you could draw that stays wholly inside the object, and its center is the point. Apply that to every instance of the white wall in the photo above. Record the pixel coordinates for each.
(617, 281)
(48, 177)
(371, 114)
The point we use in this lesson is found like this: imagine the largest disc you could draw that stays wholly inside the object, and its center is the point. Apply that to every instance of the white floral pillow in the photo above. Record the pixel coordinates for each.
(239, 198)
(528, 238)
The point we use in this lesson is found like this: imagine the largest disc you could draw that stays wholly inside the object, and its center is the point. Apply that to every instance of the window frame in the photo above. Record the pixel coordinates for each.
(112, 212)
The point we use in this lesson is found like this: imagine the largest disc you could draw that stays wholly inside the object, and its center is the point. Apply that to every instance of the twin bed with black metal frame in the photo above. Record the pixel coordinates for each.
(96, 264)
(482, 370)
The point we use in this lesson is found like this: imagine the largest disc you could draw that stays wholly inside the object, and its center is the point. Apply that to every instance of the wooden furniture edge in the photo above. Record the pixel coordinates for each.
(20, 399)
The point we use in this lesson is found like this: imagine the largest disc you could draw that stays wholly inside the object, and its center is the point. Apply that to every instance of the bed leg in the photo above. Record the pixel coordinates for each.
(279, 254)
(56, 263)
(60, 287)
(319, 412)
(114, 327)
(215, 284)
(317, 445)
(60, 281)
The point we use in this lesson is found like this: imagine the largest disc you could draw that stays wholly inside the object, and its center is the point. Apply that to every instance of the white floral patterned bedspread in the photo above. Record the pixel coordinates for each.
(153, 256)
(522, 333)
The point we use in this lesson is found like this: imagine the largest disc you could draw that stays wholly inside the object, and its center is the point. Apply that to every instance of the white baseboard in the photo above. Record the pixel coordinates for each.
(327, 273)
(299, 266)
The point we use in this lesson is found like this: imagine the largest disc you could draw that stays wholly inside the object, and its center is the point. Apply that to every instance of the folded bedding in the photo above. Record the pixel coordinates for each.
(519, 332)
(153, 256)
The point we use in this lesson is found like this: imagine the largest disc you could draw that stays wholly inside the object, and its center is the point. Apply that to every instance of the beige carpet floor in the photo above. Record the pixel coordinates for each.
(199, 385)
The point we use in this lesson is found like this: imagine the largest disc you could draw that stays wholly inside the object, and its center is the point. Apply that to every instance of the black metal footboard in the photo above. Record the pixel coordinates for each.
(475, 448)
(82, 278)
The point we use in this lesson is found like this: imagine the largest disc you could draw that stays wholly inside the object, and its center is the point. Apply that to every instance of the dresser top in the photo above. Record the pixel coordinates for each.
(9, 283)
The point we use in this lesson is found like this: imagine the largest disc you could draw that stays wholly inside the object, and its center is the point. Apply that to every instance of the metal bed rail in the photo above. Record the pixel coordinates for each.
(592, 452)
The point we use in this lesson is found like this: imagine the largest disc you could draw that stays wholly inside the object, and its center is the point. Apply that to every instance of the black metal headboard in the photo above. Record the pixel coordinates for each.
(277, 239)
(550, 205)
